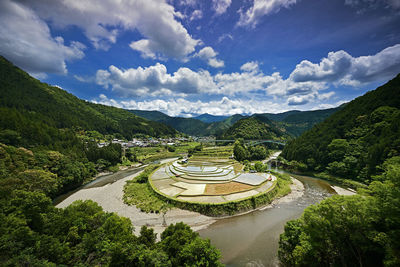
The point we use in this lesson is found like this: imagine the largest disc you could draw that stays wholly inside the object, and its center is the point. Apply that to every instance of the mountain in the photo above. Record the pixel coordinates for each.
(278, 116)
(291, 123)
(357, 139)
(185, 125)
(208, 118)
(254, 128)
(38, 114)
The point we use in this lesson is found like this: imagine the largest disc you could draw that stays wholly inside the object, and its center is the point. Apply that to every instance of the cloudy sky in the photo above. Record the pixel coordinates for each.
(188, 57)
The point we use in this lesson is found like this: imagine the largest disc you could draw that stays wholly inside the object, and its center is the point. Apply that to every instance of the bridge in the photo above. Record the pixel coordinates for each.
(249, 142)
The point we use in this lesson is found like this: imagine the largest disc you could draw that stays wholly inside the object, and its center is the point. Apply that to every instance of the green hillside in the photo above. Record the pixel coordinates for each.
(293, 123)
(357, 139)
(254, 128)
(185, 125)
(36, 112)
(208, 118)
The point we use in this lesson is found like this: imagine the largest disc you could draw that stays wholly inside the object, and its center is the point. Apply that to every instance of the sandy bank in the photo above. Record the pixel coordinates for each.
(110, 198)
(297, 188)
(342, 191)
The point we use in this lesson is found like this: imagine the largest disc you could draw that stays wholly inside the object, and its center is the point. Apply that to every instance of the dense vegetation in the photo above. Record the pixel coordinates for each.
(208, 118)
(138, 192)
(60, 131)
(34, 113)
(242, 152)
(356, 140)
(359, 230)
(254, 128)
(291, 123)
(186, 125)
(360, 142)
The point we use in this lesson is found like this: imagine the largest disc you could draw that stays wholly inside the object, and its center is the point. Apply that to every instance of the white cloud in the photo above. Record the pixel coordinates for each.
(220, 6)
(299, 100)
(101, 23)
(326, 96)
(304, 84)
(188, 2)
(179, 106)
(154, 80)
(341, 68)
(26, 41)
(262, 8)
(208, 54)
(250, 66)
(197, 14)
(225, 36)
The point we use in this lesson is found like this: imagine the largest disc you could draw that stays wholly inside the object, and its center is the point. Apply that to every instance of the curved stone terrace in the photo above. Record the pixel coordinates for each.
(208, 182)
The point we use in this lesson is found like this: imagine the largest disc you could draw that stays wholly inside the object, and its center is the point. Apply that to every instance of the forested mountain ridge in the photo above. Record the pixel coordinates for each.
(208, 118)
(186, 125)
(36, 111)
(292, 123)
(356, 140)
(255, 128)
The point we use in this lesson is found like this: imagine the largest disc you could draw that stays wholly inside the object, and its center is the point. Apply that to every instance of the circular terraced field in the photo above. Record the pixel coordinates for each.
(208, 182)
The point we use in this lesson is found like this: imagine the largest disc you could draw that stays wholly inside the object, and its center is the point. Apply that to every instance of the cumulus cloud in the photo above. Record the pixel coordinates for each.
(25, 38)
(208, 54)
(341, 68)
(197, 14)
(260, 8)
(304, 84)
(179, 106)
(155, 20)
(154, 80)
(220, 6)
(250, 66)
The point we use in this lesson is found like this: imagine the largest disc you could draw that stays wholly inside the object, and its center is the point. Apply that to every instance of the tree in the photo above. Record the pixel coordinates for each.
(239, 151)
(185, 247)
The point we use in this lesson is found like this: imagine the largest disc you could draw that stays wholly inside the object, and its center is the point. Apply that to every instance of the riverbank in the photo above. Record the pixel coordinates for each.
(109, 197)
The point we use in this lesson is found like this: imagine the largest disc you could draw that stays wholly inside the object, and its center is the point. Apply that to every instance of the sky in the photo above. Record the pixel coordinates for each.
(222, 57)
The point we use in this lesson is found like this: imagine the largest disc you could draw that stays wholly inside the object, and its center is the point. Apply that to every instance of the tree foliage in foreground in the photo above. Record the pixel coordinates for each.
(359, 230)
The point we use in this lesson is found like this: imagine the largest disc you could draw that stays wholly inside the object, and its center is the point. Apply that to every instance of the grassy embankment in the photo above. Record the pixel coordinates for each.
(294, 168)
(150, 154)
(138, 192)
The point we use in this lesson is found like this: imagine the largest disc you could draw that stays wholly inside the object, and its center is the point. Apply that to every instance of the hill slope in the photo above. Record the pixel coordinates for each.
(354, 141)
(254, 128)
(35, 111)
(186, 125)
(208, 118)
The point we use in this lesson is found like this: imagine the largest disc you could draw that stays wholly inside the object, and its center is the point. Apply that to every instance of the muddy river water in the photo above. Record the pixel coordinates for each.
(252, 239)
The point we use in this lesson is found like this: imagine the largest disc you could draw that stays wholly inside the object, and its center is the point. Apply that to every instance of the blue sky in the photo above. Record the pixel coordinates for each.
(188, 57)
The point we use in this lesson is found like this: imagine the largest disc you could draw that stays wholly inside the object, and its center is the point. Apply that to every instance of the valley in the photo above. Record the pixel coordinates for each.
(212, 179)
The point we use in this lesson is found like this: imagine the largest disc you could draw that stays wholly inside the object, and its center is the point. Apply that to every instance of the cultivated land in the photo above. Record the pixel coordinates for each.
(212, 180)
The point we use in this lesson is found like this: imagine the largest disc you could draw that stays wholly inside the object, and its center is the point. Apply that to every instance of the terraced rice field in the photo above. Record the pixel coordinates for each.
(212, 180)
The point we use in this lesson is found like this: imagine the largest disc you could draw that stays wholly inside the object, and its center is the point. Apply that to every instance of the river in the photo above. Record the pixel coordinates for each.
(246, 240)
(252, 239)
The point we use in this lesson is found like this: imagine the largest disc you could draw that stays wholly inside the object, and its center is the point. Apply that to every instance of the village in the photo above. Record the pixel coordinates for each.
(149, 142)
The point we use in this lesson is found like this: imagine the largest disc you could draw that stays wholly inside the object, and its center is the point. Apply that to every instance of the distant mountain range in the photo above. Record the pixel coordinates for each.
(286, 125)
